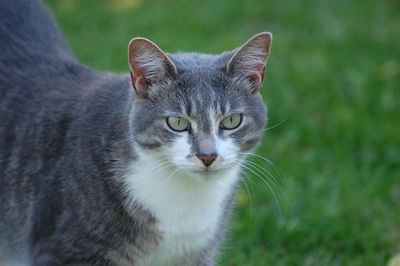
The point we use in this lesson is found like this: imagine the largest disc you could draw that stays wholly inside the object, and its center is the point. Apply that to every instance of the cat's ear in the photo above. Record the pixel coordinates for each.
(149, 66)
(249, 60)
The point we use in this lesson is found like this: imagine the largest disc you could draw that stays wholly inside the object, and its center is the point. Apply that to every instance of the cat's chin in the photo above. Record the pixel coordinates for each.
(206, 174)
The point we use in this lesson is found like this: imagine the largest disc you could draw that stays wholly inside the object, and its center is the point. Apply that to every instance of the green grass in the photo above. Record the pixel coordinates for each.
(333, 79)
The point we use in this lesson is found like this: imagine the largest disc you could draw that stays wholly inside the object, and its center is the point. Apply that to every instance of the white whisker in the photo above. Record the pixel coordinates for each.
(264, 171)
(276, 168)
(277, 124)
(248, 192)
(269, 186)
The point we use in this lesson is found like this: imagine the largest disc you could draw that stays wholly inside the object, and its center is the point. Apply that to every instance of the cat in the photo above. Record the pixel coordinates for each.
(108, 169)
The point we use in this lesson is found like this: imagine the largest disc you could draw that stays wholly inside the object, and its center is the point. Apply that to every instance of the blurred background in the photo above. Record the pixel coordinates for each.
(332, 192)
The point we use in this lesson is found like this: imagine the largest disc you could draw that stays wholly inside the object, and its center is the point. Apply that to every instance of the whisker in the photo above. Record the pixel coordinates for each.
(269, 186)
(169, 177)
(248, 192)
(264, 171)
(276, 168)
(270, 177)
(118, 142)
(160, 166)
(277, 124)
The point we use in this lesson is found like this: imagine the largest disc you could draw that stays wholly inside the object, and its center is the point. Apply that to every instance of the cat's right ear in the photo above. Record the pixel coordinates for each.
(149, 66)
(249, 60)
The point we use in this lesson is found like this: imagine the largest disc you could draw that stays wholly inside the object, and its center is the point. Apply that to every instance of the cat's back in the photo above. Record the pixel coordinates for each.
(30, 42)
(39, 76)
(35, 61)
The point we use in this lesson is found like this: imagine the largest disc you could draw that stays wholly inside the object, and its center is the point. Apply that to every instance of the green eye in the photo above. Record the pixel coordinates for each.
(231, 122)
(177, 123)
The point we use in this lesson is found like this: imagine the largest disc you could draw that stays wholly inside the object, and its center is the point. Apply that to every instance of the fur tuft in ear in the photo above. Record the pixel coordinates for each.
(149, 65)
(249, 60)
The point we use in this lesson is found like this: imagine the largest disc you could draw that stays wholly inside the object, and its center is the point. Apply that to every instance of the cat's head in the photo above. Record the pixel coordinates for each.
(195, 112)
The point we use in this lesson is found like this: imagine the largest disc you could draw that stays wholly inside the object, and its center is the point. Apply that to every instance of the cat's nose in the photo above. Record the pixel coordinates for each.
(207, 159)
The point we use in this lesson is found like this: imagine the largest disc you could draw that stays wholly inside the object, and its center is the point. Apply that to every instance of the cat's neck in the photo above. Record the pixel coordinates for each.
(188, 211)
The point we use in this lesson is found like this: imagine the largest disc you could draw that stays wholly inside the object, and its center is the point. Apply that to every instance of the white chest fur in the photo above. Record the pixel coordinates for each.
(187, 210)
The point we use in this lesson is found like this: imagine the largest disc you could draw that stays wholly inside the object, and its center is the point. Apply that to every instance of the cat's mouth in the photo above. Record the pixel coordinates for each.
(203, 171)
(207, 171)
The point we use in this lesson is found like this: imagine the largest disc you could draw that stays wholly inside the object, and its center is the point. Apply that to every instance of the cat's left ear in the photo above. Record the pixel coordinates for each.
(149, 65)
(249, 60)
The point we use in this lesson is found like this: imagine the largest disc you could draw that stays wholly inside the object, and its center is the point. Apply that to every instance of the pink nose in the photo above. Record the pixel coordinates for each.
(207, 159)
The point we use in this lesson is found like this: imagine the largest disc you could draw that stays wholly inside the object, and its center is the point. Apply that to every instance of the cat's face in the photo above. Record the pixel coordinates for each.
(197, 116)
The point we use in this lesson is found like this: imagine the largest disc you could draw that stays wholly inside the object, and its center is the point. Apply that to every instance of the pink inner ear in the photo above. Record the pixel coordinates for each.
(140, 85)
(257, 78)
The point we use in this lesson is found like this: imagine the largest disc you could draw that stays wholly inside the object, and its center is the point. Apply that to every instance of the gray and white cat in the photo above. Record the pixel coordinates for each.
(104, 169)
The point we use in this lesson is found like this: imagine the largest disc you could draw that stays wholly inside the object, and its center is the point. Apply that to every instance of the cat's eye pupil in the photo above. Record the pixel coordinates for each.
(231, 122)
(177, 123)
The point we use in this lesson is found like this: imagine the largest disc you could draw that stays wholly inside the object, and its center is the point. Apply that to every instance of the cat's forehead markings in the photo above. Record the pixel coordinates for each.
(193, 125)
(213, 123)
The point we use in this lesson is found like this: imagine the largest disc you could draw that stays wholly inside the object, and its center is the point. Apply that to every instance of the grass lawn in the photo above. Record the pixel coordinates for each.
(333, 90)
